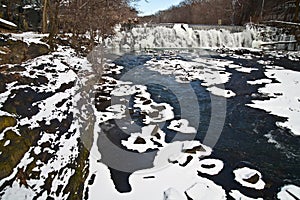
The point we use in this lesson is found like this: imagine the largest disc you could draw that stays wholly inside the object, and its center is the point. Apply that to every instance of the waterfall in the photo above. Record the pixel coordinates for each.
(277, 38)
(181, 36)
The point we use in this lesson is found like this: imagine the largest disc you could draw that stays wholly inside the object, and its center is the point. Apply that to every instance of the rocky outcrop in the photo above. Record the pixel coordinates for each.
(17, 51)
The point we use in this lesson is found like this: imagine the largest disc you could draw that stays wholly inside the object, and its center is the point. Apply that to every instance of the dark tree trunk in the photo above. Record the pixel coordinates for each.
(296, 17)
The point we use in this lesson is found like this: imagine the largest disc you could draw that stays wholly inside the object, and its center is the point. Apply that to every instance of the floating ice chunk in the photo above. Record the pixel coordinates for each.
(237, 195)
(264, 62)
(106, 116)
(173, 194)
(210, 166)
(206, 189)
(118, 108)
(260, 81)
(289, 192)
(126, 90)
(182, 126)
(249, 178)
(156, 112)
(179, 151)
(221, 92)
(246, 69)
(273, 67)
(152, 137)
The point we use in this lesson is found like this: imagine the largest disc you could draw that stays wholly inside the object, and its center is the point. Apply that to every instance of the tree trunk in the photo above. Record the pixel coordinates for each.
(296, 17)
(9, 11)
(44, 20)
(53, 29)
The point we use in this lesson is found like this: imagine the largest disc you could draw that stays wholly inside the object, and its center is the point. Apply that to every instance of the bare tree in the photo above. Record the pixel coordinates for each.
(296, 16)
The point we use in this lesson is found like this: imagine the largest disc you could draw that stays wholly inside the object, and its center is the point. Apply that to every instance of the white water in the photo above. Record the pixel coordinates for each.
(181, 36)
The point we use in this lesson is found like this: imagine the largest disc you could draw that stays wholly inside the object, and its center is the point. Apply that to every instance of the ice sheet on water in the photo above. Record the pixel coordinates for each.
(285, 99)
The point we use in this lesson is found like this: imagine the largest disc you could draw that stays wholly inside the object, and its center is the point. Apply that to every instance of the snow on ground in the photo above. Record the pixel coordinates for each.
(7, 22)
(29, 37)
(285, 97)
(57, 70)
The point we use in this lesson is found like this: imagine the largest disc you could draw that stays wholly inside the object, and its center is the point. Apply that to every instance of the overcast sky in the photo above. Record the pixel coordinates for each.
(152, 6)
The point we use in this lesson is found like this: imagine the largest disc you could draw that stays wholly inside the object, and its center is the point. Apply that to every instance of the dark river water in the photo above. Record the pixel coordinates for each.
(242, 141)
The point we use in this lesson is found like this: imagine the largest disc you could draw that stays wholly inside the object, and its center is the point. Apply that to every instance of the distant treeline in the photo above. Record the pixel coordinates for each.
(95, 17)
(227, 12)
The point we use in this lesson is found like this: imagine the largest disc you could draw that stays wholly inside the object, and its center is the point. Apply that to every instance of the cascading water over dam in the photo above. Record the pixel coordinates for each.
(181, 36)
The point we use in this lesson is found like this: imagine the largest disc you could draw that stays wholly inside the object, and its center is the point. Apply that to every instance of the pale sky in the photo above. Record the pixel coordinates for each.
(152, 6)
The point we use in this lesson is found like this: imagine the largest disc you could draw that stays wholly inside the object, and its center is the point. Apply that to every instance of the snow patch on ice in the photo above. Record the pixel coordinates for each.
(182, 126)
(237, 195)
(243, 174)
(289, 192)
(285, 101)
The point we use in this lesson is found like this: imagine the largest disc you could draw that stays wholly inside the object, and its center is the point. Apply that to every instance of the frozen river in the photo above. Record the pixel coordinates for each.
(182, 115)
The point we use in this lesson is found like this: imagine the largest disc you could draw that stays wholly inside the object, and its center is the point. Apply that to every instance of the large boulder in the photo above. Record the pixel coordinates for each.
(17, 51)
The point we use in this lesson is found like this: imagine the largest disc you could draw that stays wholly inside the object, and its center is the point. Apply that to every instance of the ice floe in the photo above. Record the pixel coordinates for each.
(182, 126)
(210, 72)
(289, 192)
(260, 81)
(210, 166)
(152, 137)
(249, 178)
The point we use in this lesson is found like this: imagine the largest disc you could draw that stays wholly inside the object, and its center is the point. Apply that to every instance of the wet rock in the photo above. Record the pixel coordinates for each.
(140, 140)
(6, 121)
(147, 102)
(22, 176)
(156, 143)
(188, 160)
(208, 166)
(17, 51)
(253, 179)
(194, 150)
(35, 50)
